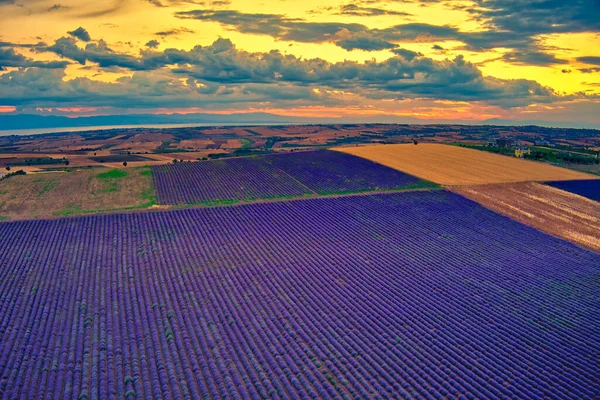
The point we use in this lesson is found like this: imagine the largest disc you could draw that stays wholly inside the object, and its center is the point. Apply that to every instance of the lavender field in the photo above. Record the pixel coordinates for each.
(327, 172)
(274, 176)
(405, 295)
(585, 188)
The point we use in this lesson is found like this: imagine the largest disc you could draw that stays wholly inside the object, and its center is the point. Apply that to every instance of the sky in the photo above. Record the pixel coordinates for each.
(427, 59)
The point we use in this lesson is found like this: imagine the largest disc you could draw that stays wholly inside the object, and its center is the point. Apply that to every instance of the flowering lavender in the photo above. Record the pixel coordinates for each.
(405, 295)
(585, 188)
(273, 176)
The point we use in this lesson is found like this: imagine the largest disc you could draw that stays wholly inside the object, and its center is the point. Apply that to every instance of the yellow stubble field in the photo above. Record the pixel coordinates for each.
(452, 165)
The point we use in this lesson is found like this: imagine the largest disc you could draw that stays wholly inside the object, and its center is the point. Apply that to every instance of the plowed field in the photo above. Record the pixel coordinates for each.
(543, 207)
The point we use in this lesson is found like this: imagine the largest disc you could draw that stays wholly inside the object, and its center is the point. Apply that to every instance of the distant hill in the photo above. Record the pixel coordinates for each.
(33, 121)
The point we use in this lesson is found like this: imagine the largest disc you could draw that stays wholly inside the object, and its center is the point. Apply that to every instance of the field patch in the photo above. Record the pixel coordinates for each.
(586, 188)
(112, 158)
(410, 295)
(453, 165)
(329, 172)
(222, 181)
(543, 207)
(76, 192)
(275, 176)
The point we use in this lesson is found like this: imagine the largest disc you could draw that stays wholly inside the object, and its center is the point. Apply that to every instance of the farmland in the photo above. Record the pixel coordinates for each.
(550, 210)
(143, 146)
(403, 295)
(275, 176)
(452, 165)
(222, 180)
(75, 192)
(585, 188)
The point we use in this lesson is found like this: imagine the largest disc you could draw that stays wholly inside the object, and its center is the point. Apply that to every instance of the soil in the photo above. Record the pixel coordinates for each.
(554, 211)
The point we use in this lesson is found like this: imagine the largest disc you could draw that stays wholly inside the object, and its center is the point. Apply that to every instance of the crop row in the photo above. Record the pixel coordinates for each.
(328, 171)
(272, 176)
(586, 188)
(222, 180)
(412, 295)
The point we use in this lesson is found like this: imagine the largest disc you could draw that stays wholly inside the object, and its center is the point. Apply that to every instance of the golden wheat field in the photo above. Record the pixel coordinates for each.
(452, 165)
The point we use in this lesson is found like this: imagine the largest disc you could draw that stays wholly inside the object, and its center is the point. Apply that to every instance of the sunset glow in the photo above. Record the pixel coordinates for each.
(430, 60)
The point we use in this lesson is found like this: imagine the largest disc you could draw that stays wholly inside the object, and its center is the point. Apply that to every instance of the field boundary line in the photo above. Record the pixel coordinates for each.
(159, 207)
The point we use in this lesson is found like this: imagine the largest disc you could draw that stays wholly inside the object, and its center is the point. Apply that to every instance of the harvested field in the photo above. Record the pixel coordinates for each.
(73, 193)
(451, 165)
(554, 211)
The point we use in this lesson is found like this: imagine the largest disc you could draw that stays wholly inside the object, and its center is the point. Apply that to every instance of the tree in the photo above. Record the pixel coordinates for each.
(175, 161)
(67, 162)
(124, 163)
(415, 141)
(8, 167)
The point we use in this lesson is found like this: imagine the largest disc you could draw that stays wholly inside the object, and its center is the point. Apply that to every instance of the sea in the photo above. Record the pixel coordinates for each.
(41, 131)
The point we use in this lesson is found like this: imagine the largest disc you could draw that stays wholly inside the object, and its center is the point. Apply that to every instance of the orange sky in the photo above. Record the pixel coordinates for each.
(424, 59)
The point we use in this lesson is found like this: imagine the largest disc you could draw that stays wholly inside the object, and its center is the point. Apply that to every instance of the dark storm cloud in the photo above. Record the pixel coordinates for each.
(512, 24)
(99, 53)
(589, 70)
(593, 60)
(539, 17)
(174, 32)
(9, 58)
(406, 54)
(222, 72)
(275, 25)
(365, 41)
(532, 58)
(297, 29)
(81, 34)
(356, 10)
(152, 44)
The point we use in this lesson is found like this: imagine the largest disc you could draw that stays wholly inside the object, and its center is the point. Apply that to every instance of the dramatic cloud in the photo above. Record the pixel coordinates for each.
(145, 73)
(98, 53)
(356, 10)
(278, 26)
(593, 60)
(532, 18)
(9, 58)
(80, 34)
(222, 68)
(300, 30)
(365, 41)
(532, 58)
(406, 54)
(152, 44)
(174, 32)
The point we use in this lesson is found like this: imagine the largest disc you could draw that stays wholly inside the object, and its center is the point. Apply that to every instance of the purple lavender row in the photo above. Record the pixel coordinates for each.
(272, 176)
(326, 171)
(412, 295)
(222, 180)
(585, 188)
